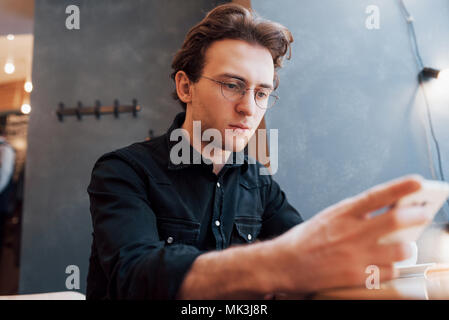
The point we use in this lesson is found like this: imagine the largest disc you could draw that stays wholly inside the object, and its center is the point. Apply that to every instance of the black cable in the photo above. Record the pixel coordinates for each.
(437, 146)
(414, 41)
(411, 28)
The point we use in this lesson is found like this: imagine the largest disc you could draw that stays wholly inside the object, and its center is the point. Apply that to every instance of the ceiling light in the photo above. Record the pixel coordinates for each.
(26, 108)
(28, 86)
(9, 68)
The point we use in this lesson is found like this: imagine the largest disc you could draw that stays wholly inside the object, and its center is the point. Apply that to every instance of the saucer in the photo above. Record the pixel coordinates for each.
(414, 270)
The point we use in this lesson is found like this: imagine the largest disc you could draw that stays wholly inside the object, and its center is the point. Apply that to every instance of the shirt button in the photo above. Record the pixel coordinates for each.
(217, 223)
(218, 184)
(249, 237)
(169, 240)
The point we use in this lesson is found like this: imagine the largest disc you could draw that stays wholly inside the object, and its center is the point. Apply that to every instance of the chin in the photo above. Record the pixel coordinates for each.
(238, 145)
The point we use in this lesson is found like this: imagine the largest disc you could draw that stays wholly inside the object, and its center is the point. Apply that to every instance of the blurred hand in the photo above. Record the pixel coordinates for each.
(333, 248)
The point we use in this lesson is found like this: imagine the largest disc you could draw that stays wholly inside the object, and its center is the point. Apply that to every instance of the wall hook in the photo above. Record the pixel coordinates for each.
(78, 110)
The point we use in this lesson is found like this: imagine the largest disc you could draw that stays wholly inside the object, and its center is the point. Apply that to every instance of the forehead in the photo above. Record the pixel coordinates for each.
(250, 61)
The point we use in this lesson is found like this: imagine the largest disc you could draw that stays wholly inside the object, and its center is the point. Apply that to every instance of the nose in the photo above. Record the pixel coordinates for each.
(247, 104)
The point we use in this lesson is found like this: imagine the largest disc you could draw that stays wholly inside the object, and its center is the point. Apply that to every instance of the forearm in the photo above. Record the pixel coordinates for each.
(241, 272)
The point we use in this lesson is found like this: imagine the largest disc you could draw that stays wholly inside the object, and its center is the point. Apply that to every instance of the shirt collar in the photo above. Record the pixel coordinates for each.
(236, 159)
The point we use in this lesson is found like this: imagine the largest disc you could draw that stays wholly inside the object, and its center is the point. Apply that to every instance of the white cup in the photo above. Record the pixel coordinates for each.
(410, 261)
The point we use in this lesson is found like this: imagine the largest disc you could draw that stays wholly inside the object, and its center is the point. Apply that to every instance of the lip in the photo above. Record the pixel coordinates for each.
(239, 129)
(239, 126)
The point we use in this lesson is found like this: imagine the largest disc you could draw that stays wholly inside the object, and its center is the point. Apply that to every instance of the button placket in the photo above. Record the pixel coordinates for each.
(217, 224)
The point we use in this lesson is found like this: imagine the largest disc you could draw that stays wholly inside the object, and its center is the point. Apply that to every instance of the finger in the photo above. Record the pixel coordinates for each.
(388, 272)
(393, 220)
(369, 275)
(387, 254)
(380, 273)
(384, 194)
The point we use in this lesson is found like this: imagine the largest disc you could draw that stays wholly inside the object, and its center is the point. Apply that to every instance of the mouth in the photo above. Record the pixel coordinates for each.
(239, 128)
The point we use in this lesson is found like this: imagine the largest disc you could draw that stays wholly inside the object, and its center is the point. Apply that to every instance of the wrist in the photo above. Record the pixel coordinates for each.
(271, 265)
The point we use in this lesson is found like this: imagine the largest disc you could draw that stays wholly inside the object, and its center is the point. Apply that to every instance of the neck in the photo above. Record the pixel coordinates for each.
(218, 156)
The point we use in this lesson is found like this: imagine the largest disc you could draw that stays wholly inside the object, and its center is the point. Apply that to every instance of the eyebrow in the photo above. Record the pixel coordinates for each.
(235, 76)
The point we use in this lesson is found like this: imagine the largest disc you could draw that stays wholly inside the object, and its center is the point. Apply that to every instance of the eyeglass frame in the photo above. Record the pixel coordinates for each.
(222, 83)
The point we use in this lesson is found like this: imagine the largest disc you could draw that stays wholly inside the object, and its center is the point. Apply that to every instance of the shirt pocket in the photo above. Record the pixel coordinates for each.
(250, 200)
(176, 231)
(246, 230)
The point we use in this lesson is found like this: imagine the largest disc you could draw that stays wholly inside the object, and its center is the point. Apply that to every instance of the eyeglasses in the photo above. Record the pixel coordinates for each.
(234, 90)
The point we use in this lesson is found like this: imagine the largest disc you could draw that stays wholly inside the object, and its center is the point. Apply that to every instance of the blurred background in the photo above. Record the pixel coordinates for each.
(351, 113)
(16, 56)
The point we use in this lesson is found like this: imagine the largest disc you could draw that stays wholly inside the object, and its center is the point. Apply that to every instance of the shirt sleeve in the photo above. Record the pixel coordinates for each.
(279, 215)
(136, 263)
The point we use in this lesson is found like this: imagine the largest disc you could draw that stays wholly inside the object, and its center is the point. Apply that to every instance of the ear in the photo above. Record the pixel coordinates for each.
(183, 87)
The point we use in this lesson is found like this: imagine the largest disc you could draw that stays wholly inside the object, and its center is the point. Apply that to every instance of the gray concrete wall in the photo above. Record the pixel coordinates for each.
(351, 114)
(123, 50)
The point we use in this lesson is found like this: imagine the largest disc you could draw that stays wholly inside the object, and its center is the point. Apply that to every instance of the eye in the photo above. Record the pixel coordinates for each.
(231, 86)
(262, 94)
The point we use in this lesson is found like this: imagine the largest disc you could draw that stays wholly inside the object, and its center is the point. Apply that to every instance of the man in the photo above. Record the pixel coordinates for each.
(217, 228)
(7, 165)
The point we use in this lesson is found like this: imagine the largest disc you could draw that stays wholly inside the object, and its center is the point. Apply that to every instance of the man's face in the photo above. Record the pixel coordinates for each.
(232, 61)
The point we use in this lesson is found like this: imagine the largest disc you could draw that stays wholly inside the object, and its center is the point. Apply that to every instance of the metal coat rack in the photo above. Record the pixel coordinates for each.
(97, 110)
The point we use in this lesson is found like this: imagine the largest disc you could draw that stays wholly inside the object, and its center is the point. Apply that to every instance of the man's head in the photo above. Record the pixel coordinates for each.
(230, 51)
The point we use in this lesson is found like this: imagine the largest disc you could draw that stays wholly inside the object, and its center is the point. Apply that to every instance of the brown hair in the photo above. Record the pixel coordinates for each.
(230, 21)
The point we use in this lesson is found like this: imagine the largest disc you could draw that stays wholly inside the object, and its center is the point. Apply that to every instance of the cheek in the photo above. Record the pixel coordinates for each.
(210, 93)
(259, 116)
(210, 101)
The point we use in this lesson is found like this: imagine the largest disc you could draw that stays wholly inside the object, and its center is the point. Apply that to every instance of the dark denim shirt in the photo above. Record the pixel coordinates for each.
(152, 218)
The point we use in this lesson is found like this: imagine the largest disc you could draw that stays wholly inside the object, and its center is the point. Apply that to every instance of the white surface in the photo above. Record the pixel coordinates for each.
(64, 295)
